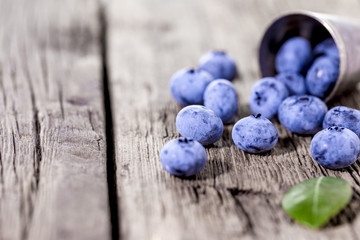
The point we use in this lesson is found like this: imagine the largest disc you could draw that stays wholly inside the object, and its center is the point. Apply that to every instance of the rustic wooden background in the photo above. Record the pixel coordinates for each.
(85, 110)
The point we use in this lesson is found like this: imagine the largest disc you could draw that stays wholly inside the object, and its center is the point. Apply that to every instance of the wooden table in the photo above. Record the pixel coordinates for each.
(85, 110)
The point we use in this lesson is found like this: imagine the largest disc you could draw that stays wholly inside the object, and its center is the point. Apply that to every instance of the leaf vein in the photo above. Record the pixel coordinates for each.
(316, 196)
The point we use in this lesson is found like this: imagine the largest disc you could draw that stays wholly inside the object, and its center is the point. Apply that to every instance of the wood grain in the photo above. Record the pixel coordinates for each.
(52, 145)
(237, 195)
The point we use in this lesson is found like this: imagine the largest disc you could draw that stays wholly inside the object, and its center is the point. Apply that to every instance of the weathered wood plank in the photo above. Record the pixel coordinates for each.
(237, 195)
(53, 164)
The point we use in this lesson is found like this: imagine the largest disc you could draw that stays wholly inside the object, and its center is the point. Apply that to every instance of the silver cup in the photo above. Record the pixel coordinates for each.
(316, 27)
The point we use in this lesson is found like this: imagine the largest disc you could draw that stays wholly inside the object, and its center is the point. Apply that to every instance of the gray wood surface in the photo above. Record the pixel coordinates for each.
(52, 145)
(237, 195)
(58, 60)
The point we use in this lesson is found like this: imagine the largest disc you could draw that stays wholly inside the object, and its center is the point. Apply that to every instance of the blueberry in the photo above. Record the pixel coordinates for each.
(187, 86)
(221, 97)
(294, 82)
(335, 147)
(293, 56)
(322, 76)
(302, 114)
(254, 134)
(219, 65)
(199, 123)
(327, 47)
(183, 157)
(342, 116)
(266, 95)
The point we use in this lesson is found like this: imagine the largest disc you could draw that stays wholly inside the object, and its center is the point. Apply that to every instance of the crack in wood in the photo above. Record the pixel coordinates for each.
(37, 129)
(196, 193)
(351, 170)
(237, 191)
(90, 120)
(98, 140)
(14, 156)
(37, 149)
(110, 139)
(38, 154)
(219, 195)
(98, 143)
(61, 101)
(241, 212)
(16, 120)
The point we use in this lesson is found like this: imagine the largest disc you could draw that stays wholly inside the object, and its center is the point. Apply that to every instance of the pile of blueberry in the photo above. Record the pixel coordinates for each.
(305, 77)
(211, 101)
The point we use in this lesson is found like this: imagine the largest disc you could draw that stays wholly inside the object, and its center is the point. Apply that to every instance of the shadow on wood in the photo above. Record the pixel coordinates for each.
(347, 215)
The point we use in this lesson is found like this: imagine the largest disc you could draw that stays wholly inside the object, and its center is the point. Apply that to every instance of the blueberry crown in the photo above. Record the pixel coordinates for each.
(338, 129)
(185, 140)
(257, 115)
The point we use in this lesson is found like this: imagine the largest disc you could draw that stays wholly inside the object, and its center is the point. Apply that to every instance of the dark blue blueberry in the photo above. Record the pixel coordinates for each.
(221, 97)
(342, 116)
(183, 157)
(302, 114)
(254, 134)
(293, 56)
(266, 96)
(219, 65)
(322, 76)
(187, 86)
(327, 47)
(199, 123)
(294, 82)
(335, 147)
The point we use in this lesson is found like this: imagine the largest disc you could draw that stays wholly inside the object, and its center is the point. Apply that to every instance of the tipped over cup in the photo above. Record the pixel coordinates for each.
(316, 27)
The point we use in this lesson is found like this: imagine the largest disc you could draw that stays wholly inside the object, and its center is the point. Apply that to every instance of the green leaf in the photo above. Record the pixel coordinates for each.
(314, 202)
